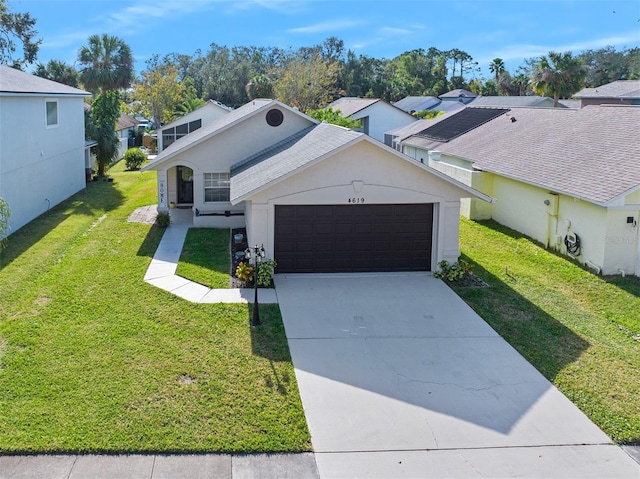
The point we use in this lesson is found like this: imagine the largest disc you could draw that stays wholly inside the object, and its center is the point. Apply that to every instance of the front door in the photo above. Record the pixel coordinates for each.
(185, 185)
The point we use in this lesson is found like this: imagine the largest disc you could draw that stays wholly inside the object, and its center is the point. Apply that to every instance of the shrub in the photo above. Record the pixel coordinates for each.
(163, 220)
(265, 272)
(244, 272)
(134, 157)
(452, 272)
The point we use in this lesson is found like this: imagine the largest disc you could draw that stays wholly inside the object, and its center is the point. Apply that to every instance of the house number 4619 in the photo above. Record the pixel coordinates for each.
(355, 200)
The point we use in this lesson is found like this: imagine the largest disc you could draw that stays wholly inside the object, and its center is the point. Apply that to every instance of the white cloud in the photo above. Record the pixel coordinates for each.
(325, 27)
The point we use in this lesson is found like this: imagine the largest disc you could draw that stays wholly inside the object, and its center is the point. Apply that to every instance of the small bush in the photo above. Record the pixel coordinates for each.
(244, 272)
(134, 158)
(163, 220)
(452, 272)
(265, 272)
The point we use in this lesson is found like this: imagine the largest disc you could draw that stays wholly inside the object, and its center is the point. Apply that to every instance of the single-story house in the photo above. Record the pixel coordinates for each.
(42, 143)
(125, 129)
(210, 111)
(569, 179)
(376, 116)
(620, 92)
(319, 197)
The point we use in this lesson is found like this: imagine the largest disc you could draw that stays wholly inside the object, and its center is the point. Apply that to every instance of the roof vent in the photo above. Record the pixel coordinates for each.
(513, 119)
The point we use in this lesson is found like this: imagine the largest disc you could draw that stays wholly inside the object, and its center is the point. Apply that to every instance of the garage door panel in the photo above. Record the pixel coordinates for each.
(343, 238)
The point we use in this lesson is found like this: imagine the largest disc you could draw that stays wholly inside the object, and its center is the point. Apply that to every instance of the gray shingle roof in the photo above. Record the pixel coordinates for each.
(287, 156)
(350, 105)
(592, 153)
(416, 103)
(507, 101)
(458, 93)
(16, 81)
(616, 89)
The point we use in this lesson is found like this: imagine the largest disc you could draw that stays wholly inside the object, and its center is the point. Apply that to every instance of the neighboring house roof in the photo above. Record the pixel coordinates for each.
(351, 105)
(458, 93)
(208, 104)
(575, 104)
(460, 123)
(215, 127)
(126, 121)
(416, 103)
(616, 89)
(591, 153)
(448, 106)
(304, 148)
(14, 81)
(509, 101)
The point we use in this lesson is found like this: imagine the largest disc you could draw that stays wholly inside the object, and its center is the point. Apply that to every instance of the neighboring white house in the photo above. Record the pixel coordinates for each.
(319, 197)
(556, 174)
(42, 144)
(376, 116)
(207, 113)
(125, 129)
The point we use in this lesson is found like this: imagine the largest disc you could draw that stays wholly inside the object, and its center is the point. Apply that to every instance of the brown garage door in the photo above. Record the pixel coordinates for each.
(353, 238)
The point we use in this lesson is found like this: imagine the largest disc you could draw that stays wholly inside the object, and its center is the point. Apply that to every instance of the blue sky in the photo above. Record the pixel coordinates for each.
(512, 30)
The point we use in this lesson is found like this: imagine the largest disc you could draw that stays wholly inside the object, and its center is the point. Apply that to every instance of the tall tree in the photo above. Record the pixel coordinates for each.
(558, 75)
(58, 71)
(106, 64)
(496, 67)
(159, 91)
(15, 29)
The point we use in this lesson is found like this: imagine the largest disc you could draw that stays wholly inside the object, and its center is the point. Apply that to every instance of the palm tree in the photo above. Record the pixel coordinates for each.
(58, 71)
(557, 75)
(187, 106)
(496, 67)
(106, 63)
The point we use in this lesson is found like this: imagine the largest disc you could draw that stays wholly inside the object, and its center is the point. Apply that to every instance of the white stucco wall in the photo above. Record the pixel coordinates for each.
(218, 154)
(39, 166)
(382, 118)
(367, 172)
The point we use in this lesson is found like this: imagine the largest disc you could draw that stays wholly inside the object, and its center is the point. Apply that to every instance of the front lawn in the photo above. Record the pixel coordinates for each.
(93, 359)
(206, 258)
(580, 330)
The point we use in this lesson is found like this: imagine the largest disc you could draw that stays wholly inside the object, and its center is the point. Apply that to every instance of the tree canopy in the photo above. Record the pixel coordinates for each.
(58, 71)
(106, 63)
(558, 75)
(17, 29)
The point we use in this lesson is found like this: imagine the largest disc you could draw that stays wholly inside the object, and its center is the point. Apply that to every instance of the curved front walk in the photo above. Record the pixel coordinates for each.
(399, 378)
(162, 270)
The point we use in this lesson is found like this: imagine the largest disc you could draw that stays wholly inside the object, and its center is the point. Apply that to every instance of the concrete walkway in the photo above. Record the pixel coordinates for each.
(399, 378)
(162, 270)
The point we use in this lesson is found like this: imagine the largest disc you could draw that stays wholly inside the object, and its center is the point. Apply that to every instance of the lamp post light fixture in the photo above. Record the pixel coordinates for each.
(258, 254)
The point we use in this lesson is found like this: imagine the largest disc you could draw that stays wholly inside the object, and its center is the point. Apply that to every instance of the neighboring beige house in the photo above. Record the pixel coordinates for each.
(376, 116)
(210, 111)
(555, 173)
(319, 197)
(42, 144)
(621, 92)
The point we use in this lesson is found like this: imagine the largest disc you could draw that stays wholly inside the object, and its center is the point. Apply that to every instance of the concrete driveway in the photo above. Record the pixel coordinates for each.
(399, 378)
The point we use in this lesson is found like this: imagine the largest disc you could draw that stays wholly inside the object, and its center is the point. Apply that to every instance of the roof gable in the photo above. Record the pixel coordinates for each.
(226, 121)
(616, 89)
(304, 149)
(351, 105)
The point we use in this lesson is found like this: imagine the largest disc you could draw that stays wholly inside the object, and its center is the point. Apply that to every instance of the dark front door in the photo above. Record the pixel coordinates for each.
(185, 184)
(353, 238)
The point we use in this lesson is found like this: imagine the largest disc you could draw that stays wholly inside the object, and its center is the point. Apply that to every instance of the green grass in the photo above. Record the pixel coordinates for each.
(206, 257)
(580, 330)
(92, 359)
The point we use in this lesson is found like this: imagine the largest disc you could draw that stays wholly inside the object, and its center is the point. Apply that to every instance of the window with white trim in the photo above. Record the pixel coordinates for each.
(216, 187)
(51, 113)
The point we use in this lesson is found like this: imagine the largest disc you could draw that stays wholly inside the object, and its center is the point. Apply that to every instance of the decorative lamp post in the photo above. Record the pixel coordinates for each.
(258, 254)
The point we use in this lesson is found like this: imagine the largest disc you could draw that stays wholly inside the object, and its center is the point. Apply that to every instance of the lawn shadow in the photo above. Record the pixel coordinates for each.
(630, 284)
(151, 241)
(101, 196)
(538, 336)
(268, 340)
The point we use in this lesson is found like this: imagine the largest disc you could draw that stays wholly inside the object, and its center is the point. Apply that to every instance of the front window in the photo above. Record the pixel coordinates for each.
(52, 113)
(216, 187)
